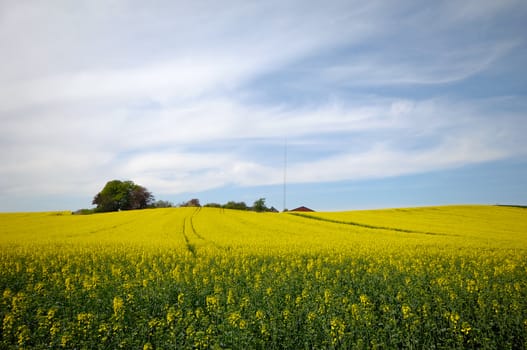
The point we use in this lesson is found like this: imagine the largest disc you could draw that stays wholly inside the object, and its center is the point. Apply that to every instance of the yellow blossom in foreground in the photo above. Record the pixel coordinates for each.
(118, 306)
(209, 278)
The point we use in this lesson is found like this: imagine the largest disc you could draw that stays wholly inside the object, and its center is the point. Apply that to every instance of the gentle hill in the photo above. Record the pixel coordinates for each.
(499, 224)
(462, 225)
(206, 278)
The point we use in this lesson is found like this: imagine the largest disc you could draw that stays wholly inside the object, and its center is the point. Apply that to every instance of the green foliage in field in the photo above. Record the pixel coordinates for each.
(122, 195)
(445, 277)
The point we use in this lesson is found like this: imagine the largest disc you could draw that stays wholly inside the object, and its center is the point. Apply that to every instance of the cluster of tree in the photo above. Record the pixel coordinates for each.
(122, 195)
(258, 206)
(162, 204)
(127, 195)
(194, 202)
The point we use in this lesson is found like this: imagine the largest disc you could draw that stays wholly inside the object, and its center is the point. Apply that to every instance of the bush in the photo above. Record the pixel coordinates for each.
(84, 212)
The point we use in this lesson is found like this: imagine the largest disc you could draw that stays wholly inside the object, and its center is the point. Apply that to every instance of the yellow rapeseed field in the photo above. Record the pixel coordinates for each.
(202, 278)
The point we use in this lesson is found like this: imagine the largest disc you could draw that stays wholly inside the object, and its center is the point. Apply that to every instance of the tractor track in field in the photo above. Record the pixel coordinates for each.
(191, 221)
(371, 227)
(190, 247)
(189, 230)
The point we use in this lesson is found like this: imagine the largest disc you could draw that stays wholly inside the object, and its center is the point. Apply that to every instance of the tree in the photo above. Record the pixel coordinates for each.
(194, 202)
(213, 205)
(162, 204)
(235, 205)
(122, 195)
(259, 205)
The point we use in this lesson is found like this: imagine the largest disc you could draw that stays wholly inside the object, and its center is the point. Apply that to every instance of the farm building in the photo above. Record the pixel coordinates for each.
(302, 208)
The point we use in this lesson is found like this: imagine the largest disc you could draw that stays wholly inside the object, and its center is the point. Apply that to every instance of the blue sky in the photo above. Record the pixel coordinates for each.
(382, 103)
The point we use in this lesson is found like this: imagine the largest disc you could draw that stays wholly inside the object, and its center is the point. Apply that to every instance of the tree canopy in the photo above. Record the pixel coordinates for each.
(259, 205)
(194, 202)
(122, 195)
(235, 205)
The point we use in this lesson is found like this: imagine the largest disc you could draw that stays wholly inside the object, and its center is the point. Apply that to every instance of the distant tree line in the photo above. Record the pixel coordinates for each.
(258, 206)
(126, 195)
(162, 204)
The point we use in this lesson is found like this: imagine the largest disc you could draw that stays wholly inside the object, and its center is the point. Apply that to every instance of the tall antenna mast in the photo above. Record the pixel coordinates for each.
(285, 171)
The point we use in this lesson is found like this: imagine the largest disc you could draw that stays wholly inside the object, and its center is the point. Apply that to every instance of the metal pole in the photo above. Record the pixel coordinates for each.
(285, 171)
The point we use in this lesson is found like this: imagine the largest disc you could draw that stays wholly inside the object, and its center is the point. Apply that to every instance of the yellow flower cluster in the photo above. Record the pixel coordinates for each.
(446, 277)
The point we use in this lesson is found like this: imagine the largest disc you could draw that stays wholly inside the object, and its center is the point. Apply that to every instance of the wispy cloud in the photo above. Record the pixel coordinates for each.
(382, 67)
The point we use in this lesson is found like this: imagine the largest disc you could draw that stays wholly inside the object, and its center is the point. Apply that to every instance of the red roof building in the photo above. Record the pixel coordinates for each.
(303, 209)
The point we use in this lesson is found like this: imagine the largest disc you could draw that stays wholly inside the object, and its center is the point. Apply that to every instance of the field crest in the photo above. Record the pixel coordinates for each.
(201, 278)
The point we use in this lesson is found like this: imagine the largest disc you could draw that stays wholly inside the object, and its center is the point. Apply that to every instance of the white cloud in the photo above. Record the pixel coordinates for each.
(382, 161)
(171, 149)
(209, 48)
(175, 95)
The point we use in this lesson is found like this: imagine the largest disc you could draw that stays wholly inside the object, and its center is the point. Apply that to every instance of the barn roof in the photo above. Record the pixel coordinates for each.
(302, 208)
